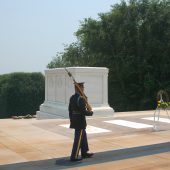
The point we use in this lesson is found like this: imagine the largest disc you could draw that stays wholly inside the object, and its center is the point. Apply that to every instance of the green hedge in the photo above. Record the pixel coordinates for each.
(21, 93)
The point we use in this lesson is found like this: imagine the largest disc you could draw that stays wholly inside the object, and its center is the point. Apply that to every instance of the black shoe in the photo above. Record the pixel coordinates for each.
(87, 155)
(74, 160)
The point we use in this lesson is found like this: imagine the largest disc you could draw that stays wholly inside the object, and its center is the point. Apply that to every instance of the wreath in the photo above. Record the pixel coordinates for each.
(162, 99)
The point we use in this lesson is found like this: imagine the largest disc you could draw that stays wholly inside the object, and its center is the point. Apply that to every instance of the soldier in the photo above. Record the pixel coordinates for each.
(77, 115)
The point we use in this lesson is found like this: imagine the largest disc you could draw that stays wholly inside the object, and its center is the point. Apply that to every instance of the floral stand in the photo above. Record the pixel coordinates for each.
(162, 105)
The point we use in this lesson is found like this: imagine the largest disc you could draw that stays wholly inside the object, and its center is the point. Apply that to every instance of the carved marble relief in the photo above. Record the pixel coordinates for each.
(59, 82)
(60, 88)
(51, 88)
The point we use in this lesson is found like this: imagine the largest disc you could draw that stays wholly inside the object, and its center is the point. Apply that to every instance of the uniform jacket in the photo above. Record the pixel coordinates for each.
(78, 112)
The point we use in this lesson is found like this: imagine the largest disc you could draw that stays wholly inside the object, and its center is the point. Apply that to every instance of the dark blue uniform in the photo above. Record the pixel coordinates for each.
(77, 114)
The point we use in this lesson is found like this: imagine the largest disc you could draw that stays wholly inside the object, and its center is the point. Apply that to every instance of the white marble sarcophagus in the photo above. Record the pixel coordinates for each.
(59, 87)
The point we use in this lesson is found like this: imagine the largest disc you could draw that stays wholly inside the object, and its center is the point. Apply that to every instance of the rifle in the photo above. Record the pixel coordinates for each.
(89, 108)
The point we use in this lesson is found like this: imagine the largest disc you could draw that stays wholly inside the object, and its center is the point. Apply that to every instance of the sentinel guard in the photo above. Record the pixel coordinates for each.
(78, 110)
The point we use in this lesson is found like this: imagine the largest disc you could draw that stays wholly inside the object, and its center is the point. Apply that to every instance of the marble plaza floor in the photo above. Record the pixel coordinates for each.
(124, 141)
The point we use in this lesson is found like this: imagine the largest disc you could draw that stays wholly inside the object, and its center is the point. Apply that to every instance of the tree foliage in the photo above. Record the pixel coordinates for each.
(133, 41)
(21, 93)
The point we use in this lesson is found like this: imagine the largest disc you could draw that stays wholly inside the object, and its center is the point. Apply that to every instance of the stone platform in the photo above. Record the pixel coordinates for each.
(125, 141)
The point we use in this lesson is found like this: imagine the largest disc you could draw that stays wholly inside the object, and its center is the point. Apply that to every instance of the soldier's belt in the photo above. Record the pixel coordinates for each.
(76, 113)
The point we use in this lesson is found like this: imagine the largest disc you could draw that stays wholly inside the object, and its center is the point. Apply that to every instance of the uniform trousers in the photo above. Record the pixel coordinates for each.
(80, 142)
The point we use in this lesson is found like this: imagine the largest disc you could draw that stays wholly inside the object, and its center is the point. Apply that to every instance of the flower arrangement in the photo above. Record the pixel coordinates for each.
(163, 105)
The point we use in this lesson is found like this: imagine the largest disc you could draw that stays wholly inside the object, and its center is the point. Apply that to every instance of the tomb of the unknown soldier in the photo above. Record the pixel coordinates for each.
(59, 87)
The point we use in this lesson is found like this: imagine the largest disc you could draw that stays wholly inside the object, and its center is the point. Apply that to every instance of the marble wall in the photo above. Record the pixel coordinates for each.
(59, 87)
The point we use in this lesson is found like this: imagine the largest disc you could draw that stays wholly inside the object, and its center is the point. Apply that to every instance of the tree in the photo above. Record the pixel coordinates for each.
(133, 41)
(21, 93)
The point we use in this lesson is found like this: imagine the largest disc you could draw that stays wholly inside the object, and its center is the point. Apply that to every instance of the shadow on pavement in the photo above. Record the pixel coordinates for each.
(100, 157)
